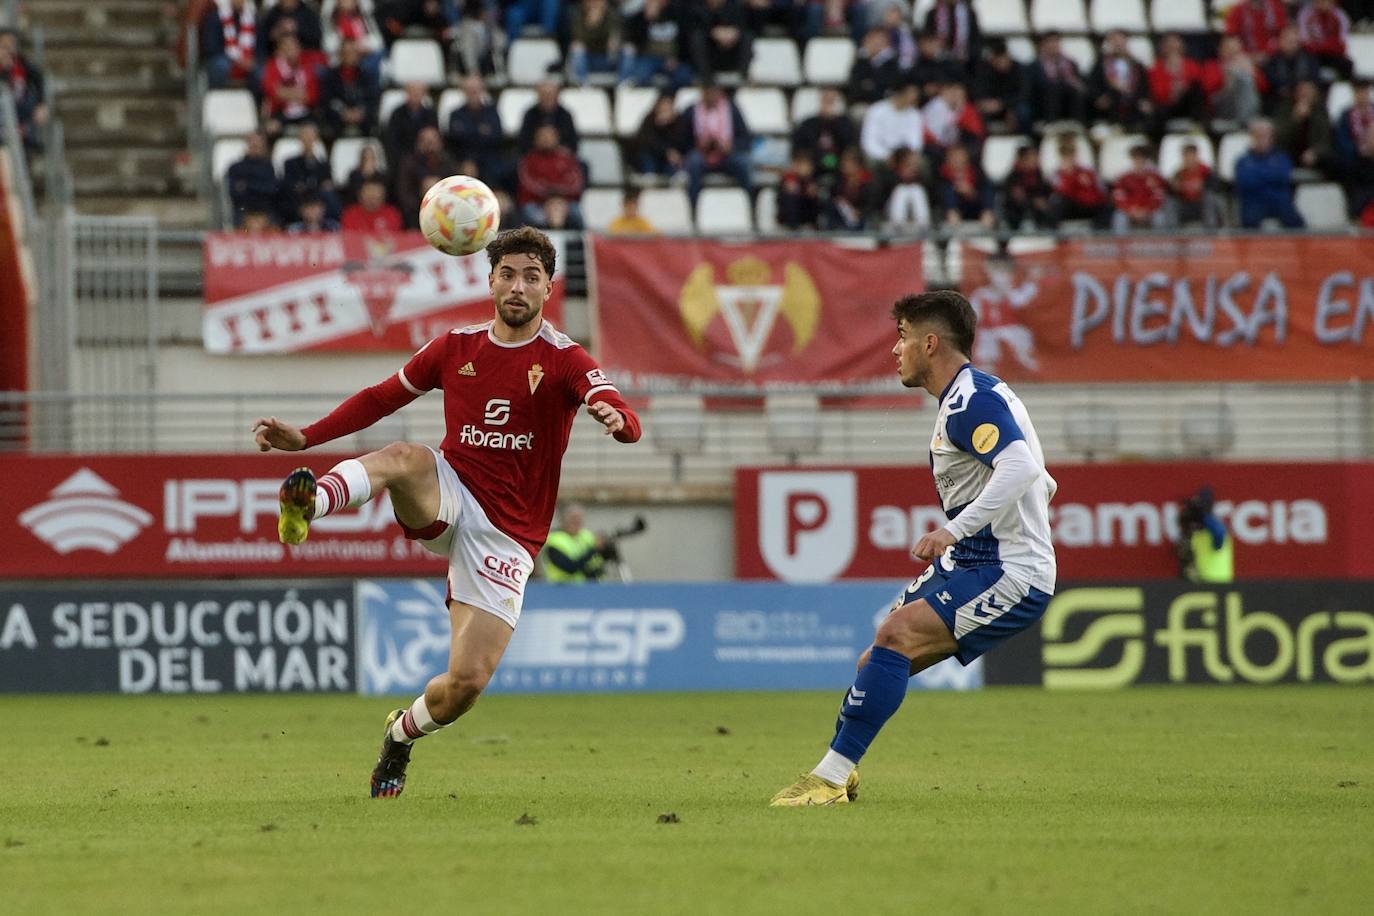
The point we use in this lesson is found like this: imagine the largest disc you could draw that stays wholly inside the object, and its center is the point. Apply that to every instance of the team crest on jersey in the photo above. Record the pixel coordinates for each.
(536, 375)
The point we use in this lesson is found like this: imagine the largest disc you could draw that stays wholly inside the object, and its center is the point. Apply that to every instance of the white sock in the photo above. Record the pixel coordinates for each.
(346, 486)
(834, 768)
(415, 723)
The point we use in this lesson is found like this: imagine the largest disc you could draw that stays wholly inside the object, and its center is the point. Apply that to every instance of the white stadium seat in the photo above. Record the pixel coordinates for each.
(1232, 147)
(775, 62)
(686, 97)
(1049, 154)
(1002, 17)
(1082, 51)
(827, 61)
(764, 110)
(1021, 49)
(1338, 98)
(806, 102)
(604, 166)
(1127, 15)
(1360, 49)
(1058, 16)
(450, 100)
(724, 211)
(999, 155)
(667, 208)
(343, 158)
(1142, 49)
(632, 106)
(1177, 16)
(1171, 152)
(601, 205)
(766, 210)
(1114, 155)
(1322, 205)
(289, 148)
(590, 109)
(229, 112)
(511, 107)
(391, 100)
(416, 60)
(227, 151)
(529, 60)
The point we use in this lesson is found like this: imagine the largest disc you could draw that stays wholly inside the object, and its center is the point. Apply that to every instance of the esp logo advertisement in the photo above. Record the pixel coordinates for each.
(177, 638)
(184, 516)
(820, 524)
(1105, 636)
(613, 638)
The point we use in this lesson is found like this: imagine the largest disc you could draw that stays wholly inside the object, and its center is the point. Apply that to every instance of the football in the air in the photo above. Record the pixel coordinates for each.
(459, 215)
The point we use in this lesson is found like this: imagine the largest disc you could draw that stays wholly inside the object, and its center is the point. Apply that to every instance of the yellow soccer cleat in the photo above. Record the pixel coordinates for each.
(812, 790)
(297, 498)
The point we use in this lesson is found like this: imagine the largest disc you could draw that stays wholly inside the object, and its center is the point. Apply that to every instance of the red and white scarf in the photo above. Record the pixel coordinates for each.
(952, 25)
(714, 123)
(240, 30)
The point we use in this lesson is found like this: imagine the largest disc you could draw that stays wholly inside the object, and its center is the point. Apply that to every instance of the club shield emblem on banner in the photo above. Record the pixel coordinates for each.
(750, 306)
(377, 281)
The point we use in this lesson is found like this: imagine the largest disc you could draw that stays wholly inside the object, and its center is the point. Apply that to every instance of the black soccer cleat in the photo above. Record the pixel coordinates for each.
(389, 775)
(297, 499)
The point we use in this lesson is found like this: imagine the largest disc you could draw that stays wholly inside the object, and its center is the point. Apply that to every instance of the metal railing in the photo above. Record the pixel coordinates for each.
(16, 157)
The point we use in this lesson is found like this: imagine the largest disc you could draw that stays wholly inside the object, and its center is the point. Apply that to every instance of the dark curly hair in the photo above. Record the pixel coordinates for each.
(525, 240)
(946, 308)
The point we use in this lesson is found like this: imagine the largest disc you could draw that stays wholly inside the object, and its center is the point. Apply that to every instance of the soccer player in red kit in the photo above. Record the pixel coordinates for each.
(512, 387)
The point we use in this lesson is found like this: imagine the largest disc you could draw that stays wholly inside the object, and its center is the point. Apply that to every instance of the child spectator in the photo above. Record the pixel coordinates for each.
(1078, 194)
(1140, 195)
(630, 221)
(1193, 190)
(908, 206)
(799, 204)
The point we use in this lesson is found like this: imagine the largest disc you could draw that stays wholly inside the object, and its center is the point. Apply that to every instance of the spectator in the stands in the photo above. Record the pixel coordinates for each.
(550, 172)
(1176, 84)
(1257, 23)
(997, 87)
(1323, 27)
(1287, 67)
(789, 16)
(1054, 89)
(717, 37)
(435, 19)
(1194, 191)
(892, 124)
(407, 120)
(932, 68)
(542, 14)
(428, 160)
(895, 19)
(252, 181)
(25, 82)
(596, 40)
(369, 168)
(1264, 181)
(826, 134)
(851, 196)
(257, 222)
(1302, 129)
(304, 25)
(1140, 195)
(799, 196)
(478, 42)
(661, 140)
(547, 110)
(908, 206)
(874, 73)
(964, 192)
(1078, 192)
(955, 24)
(654, 45)
(630, 221)
(1233, 83)
(1119, 85)
(290, 91)
(1025, 193)
(349, 94)
(474, 132)
(349, 22)
(308, 175)
(1355, 122)
(314, 217)
(951, 121)
(371, 213)
(228, 43)
(717, 141)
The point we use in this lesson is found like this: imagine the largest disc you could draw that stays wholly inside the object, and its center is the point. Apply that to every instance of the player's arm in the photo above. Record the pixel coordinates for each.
(360, 411)
(604, 404)
(986, 430)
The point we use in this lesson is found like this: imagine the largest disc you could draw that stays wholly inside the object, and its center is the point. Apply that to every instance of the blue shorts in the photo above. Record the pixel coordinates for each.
(981, 605)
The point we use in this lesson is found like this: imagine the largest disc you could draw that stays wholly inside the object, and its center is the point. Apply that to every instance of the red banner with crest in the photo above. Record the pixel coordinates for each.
(698, 314)
(342, 291)
(1176, 309)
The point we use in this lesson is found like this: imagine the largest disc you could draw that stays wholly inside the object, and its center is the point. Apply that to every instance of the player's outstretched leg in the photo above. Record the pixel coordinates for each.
(406, 470)
(912, 638)
(389, 775)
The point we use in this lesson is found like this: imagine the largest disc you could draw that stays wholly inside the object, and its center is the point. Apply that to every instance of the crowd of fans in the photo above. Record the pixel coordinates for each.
(899, 146)
(24, 79)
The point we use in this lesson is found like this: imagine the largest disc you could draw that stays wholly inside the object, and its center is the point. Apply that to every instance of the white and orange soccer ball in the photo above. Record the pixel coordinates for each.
(459, 215)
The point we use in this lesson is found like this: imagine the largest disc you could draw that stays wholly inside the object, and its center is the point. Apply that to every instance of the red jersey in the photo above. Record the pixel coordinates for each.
(357, 218)
(1142, 190)
(508, 412)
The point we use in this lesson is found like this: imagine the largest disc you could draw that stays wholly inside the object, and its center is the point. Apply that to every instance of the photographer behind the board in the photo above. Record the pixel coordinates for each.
(575, 553)
(1204, 545)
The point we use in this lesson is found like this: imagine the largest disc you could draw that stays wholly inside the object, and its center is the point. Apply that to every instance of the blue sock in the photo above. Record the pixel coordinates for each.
(877, 693)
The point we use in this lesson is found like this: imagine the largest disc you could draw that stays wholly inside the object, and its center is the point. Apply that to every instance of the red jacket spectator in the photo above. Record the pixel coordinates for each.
(371, 213)
(1140, 192)
(289, 87)
(1190, 184)
(1079, 184)
(1168, 85)
(1323, 28)
(548, 170)
(1257, 23)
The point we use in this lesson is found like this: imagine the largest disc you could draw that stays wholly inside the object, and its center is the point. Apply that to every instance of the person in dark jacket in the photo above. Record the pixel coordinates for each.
(718, 37)
(654, 46)
(1054, 89)
(307, 27)
(25, 83)
(427, 161)
(1119, 85)
(474, 132)
(799, 196)
(1287, 67)
(252, 182)
(547, 110)
(955, 23)
(661, 139)
(349, 95)
(717, 141)
(407, 121)
(997, 88)
(825, 135)
(875, 72)
(1264, 181)
(1025, 193)
(308, 175)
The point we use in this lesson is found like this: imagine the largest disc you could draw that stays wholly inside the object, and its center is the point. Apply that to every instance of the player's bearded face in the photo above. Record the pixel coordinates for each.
(519, 287)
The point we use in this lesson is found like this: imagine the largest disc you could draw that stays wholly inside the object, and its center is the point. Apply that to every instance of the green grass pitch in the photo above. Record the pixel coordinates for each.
(1166, 800)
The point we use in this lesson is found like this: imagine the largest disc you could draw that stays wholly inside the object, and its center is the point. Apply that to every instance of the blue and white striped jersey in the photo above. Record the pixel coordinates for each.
(979, 417)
